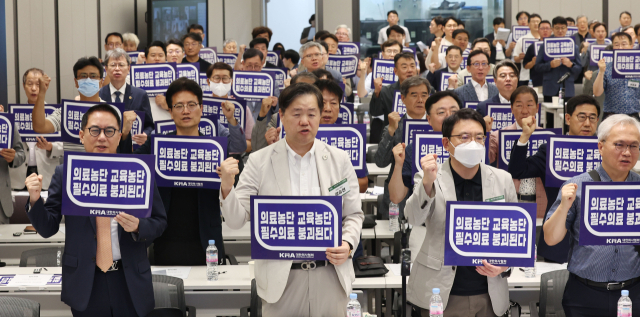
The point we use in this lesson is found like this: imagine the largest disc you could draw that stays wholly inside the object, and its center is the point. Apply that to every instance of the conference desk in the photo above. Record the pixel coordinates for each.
(374, 170)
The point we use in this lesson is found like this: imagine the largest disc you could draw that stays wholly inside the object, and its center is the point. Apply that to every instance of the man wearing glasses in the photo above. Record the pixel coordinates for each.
(390, 49)
(118, 91)
(465, 290)
(382, 99)
(620, 95)
(193, 213)
(192, 43)
(553, 70)
(479, 44)
(598, 272)
(453, 59)
(112, 41)
(477, 89)
(582, 118)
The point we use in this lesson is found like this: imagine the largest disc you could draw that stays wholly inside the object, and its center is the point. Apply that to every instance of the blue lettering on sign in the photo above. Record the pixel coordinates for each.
(153, 78)
(626, 64)
(252, 86)
(509, 138)
(211, 106)
(570, 156)
(383, 68)
(23, 121)
(6, 130)
(398, 105)
(72, 112)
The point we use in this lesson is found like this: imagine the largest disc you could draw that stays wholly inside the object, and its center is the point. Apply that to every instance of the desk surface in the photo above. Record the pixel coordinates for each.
(374, 170)
(6, 235)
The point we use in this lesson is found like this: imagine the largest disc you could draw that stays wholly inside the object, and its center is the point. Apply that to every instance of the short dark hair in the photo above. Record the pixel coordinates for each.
(395, 28)
(324, 44)
(433, 99)
(535, 15)
(619, 34)
(438, 20)
(543, 22)
(155, 43)
(258, 40)
(458, 31)
(101, 107)
(292, 55)
(636, 28)
(219, 65)
(498, 21)
(460, 22)
(446, 20)
(291, 93)
(462, 114)
(521, 13)
(320, 34)
(559, 20)
(392, 11)
(331, 86)
(195, 27)
(106, 38)
(194, 36)
(87, 61)
(331, 36)
(323, 72)
(580, 100)
(521, 91)
(260, 30)
(175, 42)
(183, 84)
(389, 43)
(279, 47)
(506, 63)
(480, 40)
(312, 18)
(251, 53)
(453, 48)
(625, 12)
(400, 55)
(309, 75)
(597, 25)
(570, 19)
(474, 53)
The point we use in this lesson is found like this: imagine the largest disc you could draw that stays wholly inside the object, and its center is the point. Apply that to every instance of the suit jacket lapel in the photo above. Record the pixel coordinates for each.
(322, 164)
(445, 178)
(128, 98)
(92, 220)
(472, 92)
(488, 184)
(280, 165)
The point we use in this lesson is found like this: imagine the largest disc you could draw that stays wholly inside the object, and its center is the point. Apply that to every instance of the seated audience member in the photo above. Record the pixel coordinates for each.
(571, 21)
(480, 44)
(105, 266)
(519, 53)
(524, 106)
(454, 59)
(252, 60)
(582, 118)
(262, 45)
(262, 32)
(553, 70)
(192, 43)
(625, 20)
(462, 177)
(220, 79)
(320, 34)
(389, 50)
(156, 53)
(332, 43)
(118, 91)
(175, 51)
(193, 215)
(597, 273)
(131, 42)
(506, 83)
(478, 89)
(312, 56)
(88, 73)
(589, 81)
(343, 32)
(621, 96)
(10, 158)
(290, 59)
(279, 49)
(322, 74)
(530, 57)
(41, 157)
(382, 100)
(460, 39)
(629, 30)
(230, 46)
(304, 77)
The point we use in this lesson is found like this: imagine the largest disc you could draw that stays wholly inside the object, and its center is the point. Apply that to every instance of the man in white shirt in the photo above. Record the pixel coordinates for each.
(519, 52)
(478, 89)
(298, 165)
(522, 18)
(479, 44)
(392, 18)
(389, 50)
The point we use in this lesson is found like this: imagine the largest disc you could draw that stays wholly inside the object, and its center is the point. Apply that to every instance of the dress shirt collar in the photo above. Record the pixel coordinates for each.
(122, 89)
(477, 85)
(502, 99)
(293, 155)
(423, 117)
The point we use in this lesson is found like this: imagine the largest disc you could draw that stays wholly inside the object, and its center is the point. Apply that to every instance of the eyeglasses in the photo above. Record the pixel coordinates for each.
(194, 44)
(582, 117)
(342, 34)
(92, 76)
(225, 79)
(108, 132)
(621, 147)
(121, 65)
(190, 105)
(477, 65)
(174, 52)
(466, 138)
(314, 56)
(391, 51)
(559, 28)
(116, 45)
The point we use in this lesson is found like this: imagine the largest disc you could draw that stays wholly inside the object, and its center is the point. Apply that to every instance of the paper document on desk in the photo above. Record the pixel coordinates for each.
(62, 229)
(179, 272)
(546, 267)
(377, 190)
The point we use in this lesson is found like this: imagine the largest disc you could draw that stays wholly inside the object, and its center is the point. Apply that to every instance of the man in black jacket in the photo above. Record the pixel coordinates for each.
(582, 117)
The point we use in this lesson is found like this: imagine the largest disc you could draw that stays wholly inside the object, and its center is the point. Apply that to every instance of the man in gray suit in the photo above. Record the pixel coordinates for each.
(465, 290)
(478, 89)
(9, 158)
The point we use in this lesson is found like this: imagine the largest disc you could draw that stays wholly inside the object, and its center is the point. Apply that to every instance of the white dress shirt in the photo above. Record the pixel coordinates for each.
(32, 154)
(113, 92)
(503, 100)
(481, 91)
(303, 172)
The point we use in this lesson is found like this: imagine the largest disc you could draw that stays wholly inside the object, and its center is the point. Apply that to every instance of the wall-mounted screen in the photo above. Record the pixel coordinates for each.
(170, 19)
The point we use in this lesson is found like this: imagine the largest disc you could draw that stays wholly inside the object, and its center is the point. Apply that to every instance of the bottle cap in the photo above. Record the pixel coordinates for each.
(436, 291)
(353, 296)
(625, 292)
(212, 242)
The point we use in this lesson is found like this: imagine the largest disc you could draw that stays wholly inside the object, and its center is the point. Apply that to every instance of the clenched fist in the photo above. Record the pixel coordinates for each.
(272, 135)
(602, 65)
(568, 195)
(44, 82)
(488, 121)
(394, 119)
(453, 81)
(127, 121)
(227, 109)
(227, 172)
(528, 125)
(429, 166)
(267, 103)
(377, 84)
(34, 186)
(398, 153)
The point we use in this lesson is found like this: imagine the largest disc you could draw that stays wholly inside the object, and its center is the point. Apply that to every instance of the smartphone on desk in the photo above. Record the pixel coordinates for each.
(30, 230)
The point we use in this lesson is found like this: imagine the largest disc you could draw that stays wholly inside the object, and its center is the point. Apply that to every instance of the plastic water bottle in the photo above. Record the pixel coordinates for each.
(530, 83)
(356, 98)
(394, 213)
(355, 117)
(530, 272)
(366, 119)
(212, 261)
(561, 97)
(624, 305)
(436, 308)
(353, 307)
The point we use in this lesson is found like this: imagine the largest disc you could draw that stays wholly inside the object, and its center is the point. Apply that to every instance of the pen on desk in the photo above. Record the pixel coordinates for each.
(45, 269)
(521, 269)
(222, 272)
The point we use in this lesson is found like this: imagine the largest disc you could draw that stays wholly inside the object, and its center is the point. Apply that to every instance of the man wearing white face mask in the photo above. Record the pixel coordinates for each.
(220, 78)
(465, 290)
(89, 78)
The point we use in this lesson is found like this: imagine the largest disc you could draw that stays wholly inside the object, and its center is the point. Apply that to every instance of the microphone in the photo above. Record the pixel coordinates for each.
(564, 77)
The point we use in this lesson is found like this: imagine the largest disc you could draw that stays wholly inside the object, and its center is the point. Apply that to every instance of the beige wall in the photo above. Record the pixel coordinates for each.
(617, 6)
(336, 12)
(548, 9)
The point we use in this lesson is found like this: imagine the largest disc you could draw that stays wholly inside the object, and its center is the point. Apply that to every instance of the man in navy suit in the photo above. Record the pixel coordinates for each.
(105, 269)
(454, 59)
(506, 83)
(553, 70)
(478, 89)
(134, 99)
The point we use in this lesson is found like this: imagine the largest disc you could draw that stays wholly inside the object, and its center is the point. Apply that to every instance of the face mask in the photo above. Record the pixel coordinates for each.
(88, 87)
(220, 89)
(469, 154)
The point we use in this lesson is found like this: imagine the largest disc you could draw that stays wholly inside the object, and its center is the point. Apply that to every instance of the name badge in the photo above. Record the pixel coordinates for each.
(340, 189)
(497, 199)
(634, 83)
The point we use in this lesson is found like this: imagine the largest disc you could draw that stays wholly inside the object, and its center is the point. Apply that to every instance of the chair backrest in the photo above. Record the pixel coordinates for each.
(168, 292)
(18, 307)
(41, 257)
(256, 302)
(19, 213)
(552, 286)
(371, 153)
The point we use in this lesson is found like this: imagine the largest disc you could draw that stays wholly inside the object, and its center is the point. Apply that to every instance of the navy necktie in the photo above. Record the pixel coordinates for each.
(118, 93)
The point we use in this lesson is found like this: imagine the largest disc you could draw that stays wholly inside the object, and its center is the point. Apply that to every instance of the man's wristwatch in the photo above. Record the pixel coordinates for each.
(350, 248)
(506, 273)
